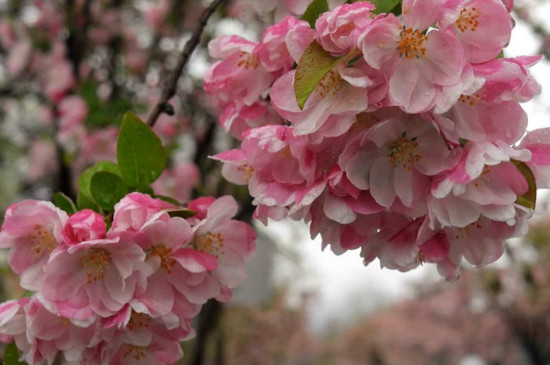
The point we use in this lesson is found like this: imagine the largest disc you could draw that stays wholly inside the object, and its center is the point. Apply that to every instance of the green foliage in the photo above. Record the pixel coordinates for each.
(312, 67)
(85, 179)
(314, 64)
(314, 10)
(387, 6)
(65, 203)
(141, 157)
(85, 202)
(529, 199)
(107, 189)
(11, 355)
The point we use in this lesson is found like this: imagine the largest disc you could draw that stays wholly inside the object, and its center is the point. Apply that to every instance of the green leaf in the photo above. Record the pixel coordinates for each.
(167, 199)
(312, 67)
(86, 202)
(85, 178)
(314, 64)
(182, 213)
(141, 157)
(314, 10)
(65, 203)
(386, 6)
(11, 355)
(529, 199)
(108, 189)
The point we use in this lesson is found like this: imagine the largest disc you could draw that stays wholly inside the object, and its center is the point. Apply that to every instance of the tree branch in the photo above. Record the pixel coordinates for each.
(163, 106)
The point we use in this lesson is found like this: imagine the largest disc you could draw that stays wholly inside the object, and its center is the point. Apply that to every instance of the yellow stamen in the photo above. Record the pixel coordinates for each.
(411, 43)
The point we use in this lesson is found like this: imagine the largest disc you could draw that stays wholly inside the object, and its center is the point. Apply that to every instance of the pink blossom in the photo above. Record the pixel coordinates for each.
(343, 93)
(538, 143)
(338, 30)
(49, 334)
(32, 230)
(420, 67)
(483, 183)
(396, 159)
(237, 119)
(175, 267)
(483, 27)
(84, 225)
(228, 240)
(238, 77)
(94, 278)
(282, 44)
(133, 211)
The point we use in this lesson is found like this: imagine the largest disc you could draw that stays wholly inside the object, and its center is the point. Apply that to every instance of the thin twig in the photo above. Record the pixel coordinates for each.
(163, 106)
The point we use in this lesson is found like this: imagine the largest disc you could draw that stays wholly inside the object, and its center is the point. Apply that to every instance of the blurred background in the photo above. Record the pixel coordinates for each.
(69, 69)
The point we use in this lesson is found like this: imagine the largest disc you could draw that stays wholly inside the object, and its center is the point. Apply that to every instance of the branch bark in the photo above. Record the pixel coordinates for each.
(163, 106)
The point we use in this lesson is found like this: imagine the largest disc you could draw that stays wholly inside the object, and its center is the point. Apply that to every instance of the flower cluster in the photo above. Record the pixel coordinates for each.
(407, 148)
(125, 295)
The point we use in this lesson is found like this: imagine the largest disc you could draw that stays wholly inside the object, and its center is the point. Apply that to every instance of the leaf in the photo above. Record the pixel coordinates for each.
(11, 355)
(65, 203)
(108, 189)
(314, 64)
(386, 6)
(86, 177)
(86, 202)
(167, 199)
(314, 10)
(529, 199)
(182, 213)
(141, 157)
(312, 67)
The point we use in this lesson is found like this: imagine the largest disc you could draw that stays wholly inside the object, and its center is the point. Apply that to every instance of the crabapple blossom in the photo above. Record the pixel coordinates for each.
(407, 146)
(31, 230)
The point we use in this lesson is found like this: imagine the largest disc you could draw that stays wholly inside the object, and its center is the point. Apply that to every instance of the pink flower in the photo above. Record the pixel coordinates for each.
(230, 241)
(483, 27)
(332, 107)
(57, 80)
(238, 77)
(85, 225)
(19, 57)
(237, 119)
(538, 143)
(420, 67)
(338, 30)
(132, 212)
(175, 267)
(144, 340)
(396, 159)
(32, 230)
(94, 278)
(49, 334)
(483, 183)
(282, 44)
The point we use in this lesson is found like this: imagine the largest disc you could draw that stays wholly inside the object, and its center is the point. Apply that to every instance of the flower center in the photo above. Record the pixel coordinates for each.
(247, 61)
(246, 170)
(96, 261)
(210, 243)
(42, 240)
(136, 352)
(470, 99)
(468, 19)
(163, 252)
(138, 320)
(465, 232)
(402, 152)
(330, 84)
(411, 43)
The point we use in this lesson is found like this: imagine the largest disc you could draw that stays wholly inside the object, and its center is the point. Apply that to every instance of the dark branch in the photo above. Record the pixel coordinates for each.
(170, 89)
